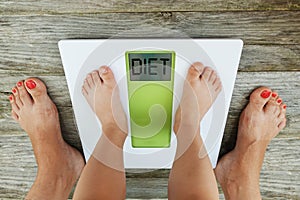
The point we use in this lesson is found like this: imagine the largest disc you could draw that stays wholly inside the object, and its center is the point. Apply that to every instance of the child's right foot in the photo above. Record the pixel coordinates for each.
(201, 89)
(238, 171)
(101, 92)
(104, 174)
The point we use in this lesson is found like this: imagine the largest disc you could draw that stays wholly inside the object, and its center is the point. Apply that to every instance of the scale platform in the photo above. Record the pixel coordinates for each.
(80, 57)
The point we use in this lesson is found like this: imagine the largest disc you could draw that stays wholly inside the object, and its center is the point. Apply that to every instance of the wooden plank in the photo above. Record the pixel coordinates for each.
(25, 33)
(16, 59)
(77, 6)
(280, 177)
(285, 83)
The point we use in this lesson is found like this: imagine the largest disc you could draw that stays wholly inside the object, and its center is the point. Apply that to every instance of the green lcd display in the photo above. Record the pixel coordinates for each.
(150, 78)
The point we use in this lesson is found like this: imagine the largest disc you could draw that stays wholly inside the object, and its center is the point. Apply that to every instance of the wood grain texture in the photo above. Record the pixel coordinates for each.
(77, 6)
(280, 177)
(30, 30)
(38, 31)
(16, 59)
(286, 84)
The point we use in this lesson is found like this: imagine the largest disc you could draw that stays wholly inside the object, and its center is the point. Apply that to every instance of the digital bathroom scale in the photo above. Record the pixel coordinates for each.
(150, 81)
(150, 75)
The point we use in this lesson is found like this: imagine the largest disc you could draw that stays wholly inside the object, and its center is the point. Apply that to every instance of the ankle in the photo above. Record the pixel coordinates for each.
(114, 135)
(241, 180)
(245, 141)
(241, 189)
(51, 186)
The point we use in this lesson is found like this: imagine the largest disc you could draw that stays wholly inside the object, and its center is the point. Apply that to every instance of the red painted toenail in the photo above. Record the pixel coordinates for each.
(265, 94)
(20, 83)
(274, 94)
(284, 106)
(14, 90)
(30, 84)
(10, 98)
(279, 101)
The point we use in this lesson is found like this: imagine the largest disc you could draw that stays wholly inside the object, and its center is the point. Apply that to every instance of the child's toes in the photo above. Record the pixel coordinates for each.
(107, 76)
(195, 71)
(89, 80)
(213, 76)
(207, 73)
(96, 77)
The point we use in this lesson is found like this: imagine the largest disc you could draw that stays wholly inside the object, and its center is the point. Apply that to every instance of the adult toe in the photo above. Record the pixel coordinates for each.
(272, 107)
(259, 97)
(282, 124)
(23, 93)
(36, 88)
(14, 115)
(15, 108)
(17, 98)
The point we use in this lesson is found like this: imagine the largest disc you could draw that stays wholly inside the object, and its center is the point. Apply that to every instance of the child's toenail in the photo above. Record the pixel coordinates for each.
(284, 106)
(265, 94)
(274, 94)
(30, 84)
(103, 70)
(279, 101)
(196, 67)
(14, 90)
(10, 98)
(20, 83)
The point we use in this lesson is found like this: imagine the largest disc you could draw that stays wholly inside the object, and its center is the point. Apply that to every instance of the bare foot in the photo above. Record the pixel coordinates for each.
(101, 92)
(201, 89)
(238, 171)
(104, 174)
(192, 175)
(59, 164)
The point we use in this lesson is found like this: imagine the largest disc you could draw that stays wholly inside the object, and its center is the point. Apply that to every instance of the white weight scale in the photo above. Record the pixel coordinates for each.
(135, 62)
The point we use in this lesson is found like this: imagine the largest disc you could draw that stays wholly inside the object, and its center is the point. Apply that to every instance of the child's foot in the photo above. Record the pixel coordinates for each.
(192, 175)
(201, 89)
(59, 164)
(101, 92)
(238, 171)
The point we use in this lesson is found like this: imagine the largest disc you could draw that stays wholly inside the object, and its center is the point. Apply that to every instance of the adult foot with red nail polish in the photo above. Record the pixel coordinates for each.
(265, 94)
(238, 171)
(30, 84)
(59, 164)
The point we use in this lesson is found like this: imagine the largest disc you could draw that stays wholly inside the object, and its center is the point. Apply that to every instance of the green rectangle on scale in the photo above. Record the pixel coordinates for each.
(150, 79)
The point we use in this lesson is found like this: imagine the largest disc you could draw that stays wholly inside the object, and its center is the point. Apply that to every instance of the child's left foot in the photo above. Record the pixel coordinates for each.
(201, 88)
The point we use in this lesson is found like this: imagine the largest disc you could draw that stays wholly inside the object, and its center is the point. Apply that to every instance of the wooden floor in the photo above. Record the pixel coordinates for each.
(30, 30)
